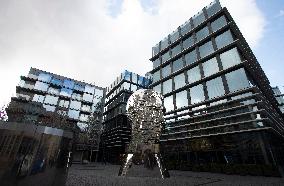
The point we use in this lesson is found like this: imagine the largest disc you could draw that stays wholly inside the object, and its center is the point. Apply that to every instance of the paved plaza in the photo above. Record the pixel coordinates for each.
(105, 175)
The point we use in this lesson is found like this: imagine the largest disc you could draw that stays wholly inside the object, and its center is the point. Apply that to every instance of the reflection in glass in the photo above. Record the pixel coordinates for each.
(179, 81)
(80, 88)
(176, 50)
(64, 103)
(190, 57)
(212, 9)
(88, 97)
(66, 92)
(168, 103)
(68, 83)
(167, 86)
(89, 89)
(166, 71)
(56, 81)
(215, 88)
(166, 56)
(75, 105)
(237, 80)
(49, 108)
(194, 74)
(157, 88)
(44, 77)
(230, 58)
(210, 67)
(73, 113)
(141, 80)
(198, 19)
(181, 99)
(164, 43)
(224, 39)
(177, 64)
(52, 90)
(156, 63)
(38, 98)
(52, 100)
(41, 86)
(206, 49)
(127, 75)
(174, 36)
(218, 23)
(197, 94)
(185, 28)
(202, 33)
(188, 42)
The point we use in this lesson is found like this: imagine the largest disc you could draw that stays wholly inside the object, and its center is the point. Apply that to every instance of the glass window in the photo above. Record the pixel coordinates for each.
(164, 43)
(185, 28)
(38, 98)
(76, 96)
(134, 78)
(156, 63)
(44, 77)
(212, 9)
(237, 80)
(230, 58)
(224, 39)
(88, 97)
(75, 105)
(64, 103)
(155, 50)
(176, 50)
(73, 114)
(167, 86)
(181, 99)
(218, 23)
(177, 64)
(156, 76)
(84, 117)
(41, 86)
(194, 74)
(166, 56)
(80, 88)
(126, 86)
(174, 36)
(68, 83)
(188, 42)
(197, 94)
(179, 81)
(215, 88)
(66, 92)
(49, 108)
(86, 108)
(52, 100)
(210, 67)
(198, 19)
(99, 93)
(166, 71)
(190, 57)
(127, 75)
(56, 81)
(52, 90)
(202, 33)
(133, 87)
(141, 80)
(157, 88)
(89, 89)
(168, 103)
(206, 49)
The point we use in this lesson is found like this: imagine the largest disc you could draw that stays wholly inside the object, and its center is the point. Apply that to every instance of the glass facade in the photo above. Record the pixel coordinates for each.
(188, 42)
(206, 49)
(237, 80)
(202, 33)
(197, 94)
(179, 81)
(210, 67)
(166, 71)
(194, 74)
(181, 99)
(224, 39)
(218, 23)
(167, 86)
(230, 58)
(190, 57)
(215, 88)
(177, 64)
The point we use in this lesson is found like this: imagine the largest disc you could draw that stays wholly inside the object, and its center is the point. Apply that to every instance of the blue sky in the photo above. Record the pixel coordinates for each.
(95, 40)
(270, 53)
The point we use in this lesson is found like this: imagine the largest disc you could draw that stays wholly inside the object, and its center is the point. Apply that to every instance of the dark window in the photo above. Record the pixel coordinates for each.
(202, 33)
(188, 42)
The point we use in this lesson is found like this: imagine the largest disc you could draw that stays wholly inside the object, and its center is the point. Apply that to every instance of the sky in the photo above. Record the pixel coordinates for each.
(95, 40)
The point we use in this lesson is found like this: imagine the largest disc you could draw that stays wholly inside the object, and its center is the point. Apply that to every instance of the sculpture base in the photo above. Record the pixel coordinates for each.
(150, 166)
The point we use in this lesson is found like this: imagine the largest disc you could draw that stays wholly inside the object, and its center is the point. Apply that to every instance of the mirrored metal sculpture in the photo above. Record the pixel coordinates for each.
(145, 110)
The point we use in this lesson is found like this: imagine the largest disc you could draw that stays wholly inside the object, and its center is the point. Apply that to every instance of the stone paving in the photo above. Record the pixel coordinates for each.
(105, 175)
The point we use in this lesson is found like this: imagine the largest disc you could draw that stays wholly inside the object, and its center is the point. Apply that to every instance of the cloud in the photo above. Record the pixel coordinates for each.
(83, 40)
(281, 13)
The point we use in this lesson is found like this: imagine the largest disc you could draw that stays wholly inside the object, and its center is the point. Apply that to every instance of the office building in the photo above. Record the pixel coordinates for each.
(279, 97)
(117, 128)
(47, 99)
(221, 113)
